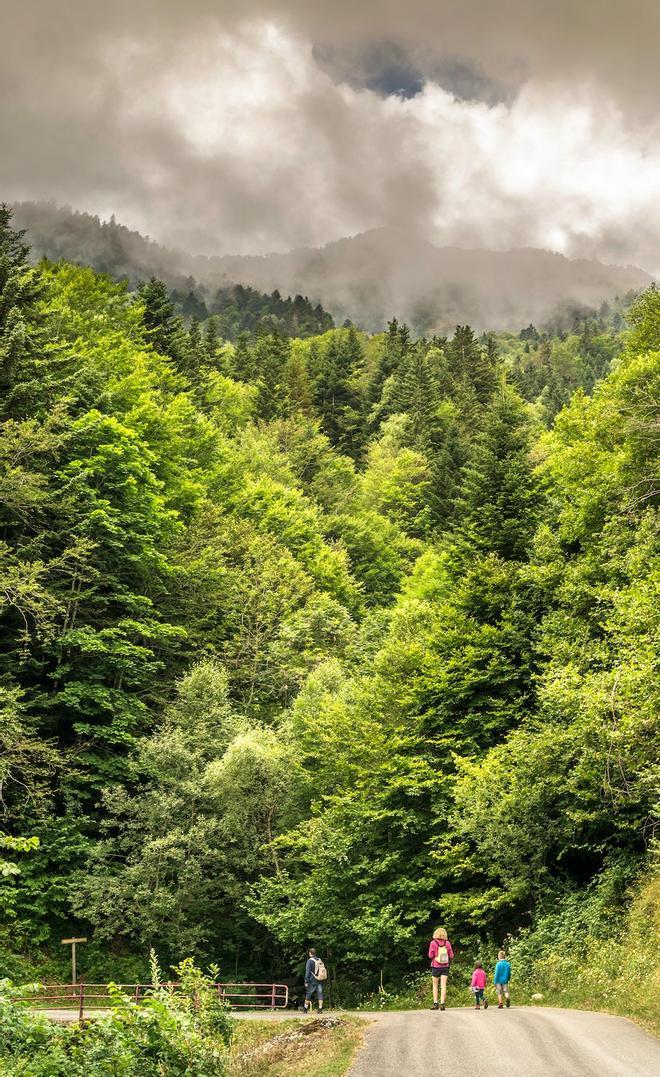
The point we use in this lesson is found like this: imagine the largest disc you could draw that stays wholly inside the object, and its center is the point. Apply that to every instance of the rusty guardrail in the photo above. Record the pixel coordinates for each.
(81, 996)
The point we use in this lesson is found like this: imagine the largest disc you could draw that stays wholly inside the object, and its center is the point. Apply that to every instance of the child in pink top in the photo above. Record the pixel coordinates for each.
(478, 986)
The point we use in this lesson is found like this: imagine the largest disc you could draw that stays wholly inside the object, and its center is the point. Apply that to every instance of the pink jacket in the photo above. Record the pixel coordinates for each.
(479, 979)
(433, 952)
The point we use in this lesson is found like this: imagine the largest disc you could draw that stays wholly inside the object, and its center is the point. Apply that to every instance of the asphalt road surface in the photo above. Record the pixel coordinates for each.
(526, 1042)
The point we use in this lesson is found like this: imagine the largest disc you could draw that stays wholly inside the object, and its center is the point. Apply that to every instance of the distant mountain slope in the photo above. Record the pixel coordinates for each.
(367, 278)
(59, 232)
(371, 276)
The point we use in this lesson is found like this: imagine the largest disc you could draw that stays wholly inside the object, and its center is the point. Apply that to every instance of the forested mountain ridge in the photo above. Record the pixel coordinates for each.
(59, 233)
(366, 278)
(324, 640)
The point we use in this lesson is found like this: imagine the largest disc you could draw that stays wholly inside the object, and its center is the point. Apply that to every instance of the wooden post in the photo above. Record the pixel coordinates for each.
(272, 998)
(73, 943)
(82, 999)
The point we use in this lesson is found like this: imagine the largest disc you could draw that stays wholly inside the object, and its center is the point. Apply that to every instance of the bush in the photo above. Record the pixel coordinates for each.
(595, 952)
(182, 1034)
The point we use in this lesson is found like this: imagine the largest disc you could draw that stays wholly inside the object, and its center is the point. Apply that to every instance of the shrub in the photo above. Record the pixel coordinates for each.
(169, 1034)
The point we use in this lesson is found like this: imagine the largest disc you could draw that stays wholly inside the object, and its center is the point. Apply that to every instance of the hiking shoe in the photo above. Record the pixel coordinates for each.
(434, 1006)
(500, 1006)
(477, 1007)
(508, 1003)
(442, 1005)
(485, 1004)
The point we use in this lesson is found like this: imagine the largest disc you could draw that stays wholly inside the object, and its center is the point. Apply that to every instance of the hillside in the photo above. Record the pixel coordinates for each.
(60, 233)
(335, 639)
(366, 278)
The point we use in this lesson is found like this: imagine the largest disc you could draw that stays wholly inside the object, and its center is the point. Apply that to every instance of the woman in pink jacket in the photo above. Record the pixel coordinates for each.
(441, 954)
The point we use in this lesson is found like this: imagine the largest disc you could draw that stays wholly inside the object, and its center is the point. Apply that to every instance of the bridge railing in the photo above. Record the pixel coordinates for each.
(89, 996)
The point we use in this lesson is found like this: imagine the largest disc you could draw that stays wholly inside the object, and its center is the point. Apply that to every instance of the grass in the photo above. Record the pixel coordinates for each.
(280, 1049)
(616, 971)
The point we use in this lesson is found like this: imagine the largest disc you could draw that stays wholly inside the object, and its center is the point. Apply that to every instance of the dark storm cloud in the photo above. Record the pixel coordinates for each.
(262, 125)
(388, 68)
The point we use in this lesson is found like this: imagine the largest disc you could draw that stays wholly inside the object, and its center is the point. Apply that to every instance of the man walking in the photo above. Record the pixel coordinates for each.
(315, 974)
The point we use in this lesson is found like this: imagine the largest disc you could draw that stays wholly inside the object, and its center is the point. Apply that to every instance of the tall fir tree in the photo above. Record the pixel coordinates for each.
(165, 330)
(25, 370)
(498, 496)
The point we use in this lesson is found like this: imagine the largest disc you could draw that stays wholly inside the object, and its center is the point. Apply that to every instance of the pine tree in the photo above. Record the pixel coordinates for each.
(335, 391)
(23, 353)
(297, 390)
(269, 356)
(496, 508)
(211, 342)
(164, 329)
(390, 360)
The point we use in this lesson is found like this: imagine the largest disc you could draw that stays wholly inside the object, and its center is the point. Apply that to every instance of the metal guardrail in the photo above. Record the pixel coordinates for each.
(238, 996)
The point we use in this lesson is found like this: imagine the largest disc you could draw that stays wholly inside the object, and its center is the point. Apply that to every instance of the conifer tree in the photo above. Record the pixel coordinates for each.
(335, 393)
(498, 494)
(391, 358)
(21, 323)
(164, 329)
(269, 356)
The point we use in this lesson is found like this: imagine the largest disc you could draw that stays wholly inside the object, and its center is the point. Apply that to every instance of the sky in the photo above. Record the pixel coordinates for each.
(257, 126)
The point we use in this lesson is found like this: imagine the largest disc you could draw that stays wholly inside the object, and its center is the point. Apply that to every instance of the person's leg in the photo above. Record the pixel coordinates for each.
(308, 997)
(443, 989)
(478, 995)
(506, 995)
(319, 997)
(498, 988)
(434, 981)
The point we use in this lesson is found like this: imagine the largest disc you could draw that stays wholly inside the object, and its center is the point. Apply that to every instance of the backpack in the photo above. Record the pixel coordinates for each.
(320, 971)
(442, 956)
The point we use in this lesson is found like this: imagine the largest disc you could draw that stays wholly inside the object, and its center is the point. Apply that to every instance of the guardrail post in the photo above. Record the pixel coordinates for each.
(82, 1001)
(272, 997)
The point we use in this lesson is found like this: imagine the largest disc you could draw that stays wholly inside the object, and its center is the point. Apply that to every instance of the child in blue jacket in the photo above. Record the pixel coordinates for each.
(501, 979)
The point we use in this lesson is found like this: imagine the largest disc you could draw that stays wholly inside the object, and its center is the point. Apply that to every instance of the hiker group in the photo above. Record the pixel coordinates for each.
(441, 954)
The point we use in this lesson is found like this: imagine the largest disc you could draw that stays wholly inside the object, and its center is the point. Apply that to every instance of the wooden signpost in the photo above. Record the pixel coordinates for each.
(73, 943)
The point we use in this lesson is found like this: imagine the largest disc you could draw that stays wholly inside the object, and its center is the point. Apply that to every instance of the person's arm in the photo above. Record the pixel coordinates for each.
(433, 950)
(449, 950)
(309, 968)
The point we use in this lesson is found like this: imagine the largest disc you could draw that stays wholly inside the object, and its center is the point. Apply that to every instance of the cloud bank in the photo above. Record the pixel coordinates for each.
(252, 127)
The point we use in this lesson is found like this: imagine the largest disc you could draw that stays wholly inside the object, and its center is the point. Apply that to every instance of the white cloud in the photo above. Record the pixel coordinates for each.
(224, 134)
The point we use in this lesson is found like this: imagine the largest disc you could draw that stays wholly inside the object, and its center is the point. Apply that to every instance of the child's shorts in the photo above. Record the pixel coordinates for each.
(501, 987)
(314, 987)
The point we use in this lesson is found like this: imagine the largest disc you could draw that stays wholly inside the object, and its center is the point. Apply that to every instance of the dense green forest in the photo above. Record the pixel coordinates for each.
(320, 641)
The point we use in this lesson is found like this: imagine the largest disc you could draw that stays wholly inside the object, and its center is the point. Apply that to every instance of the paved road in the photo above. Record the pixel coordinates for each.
(526, 1042)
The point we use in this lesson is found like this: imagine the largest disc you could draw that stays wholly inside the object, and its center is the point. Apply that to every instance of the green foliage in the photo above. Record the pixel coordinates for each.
(315, 641)
(183, 1033)
(597, 950)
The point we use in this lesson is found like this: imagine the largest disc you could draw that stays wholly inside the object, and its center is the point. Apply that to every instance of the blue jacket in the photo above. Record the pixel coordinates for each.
(502, 972)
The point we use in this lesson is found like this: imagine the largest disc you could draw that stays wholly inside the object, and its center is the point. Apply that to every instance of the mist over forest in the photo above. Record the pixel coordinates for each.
(329, 561)
(367, 279)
